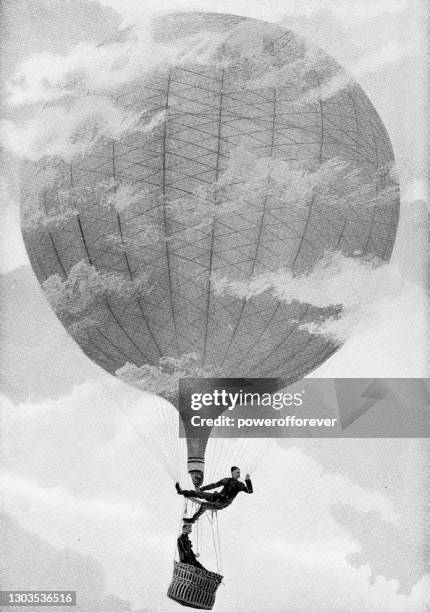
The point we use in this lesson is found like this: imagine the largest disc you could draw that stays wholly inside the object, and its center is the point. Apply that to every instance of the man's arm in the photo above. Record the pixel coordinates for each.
(248, 484)
(220, 483)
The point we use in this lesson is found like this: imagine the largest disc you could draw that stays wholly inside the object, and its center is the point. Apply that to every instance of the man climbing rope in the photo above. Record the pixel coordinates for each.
(219, 499)
(185, 548)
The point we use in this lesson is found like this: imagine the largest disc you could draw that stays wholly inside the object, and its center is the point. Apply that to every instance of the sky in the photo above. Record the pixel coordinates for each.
(88, 502)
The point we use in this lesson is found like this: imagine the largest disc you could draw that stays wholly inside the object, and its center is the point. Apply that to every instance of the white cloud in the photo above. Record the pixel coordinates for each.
(383, 596)
(85, 286)
(97, 69)
(80, 394)
(345, 10)
(67, 131)
(103, 494)
(302, 551)
(163, 379)
(289, 505)
(123, 420)
(350, 11)
(329, 284)
(415, 191)
(12, 250)
(386, 337)
(388, 53)
(71, 99)
(45, 77)
(19, 492)
(365, 66)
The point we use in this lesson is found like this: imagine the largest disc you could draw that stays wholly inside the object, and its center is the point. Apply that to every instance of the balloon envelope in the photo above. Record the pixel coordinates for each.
(258, 155)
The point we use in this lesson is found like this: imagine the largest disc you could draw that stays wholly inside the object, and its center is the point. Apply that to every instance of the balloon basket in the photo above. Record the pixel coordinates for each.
(193, 587)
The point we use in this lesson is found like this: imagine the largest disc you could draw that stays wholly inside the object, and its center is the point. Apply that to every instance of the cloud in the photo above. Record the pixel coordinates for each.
(407, 560)
(80, 299)
(47, 77)
(30, 563)
(19, 492)
(90, 73)
(79, 476)
(299, 539)
(97, 69)
(164, 378)
(67, 131)
(72, 99)
(55, 490)
(412, 256)
(416, 191)
(133, 10)
(328, 284)
(89, 457)
(358, 12)
(12, 250)
(38, 358)
(116, 418)
(389, 53)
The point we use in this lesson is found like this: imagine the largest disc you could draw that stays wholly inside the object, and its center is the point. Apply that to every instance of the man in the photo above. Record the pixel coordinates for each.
(185, 548)
(219, 499)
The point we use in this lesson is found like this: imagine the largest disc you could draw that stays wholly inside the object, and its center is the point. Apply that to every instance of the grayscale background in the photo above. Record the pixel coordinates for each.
(86, 502)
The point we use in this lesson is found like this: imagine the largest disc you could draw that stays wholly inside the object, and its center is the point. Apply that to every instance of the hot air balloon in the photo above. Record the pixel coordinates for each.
(255, 155)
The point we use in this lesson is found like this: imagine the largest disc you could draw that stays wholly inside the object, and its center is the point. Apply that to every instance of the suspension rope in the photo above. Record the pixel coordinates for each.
(170, 449)
(175, 550)
(219, 542)
(214, 542)
(201, 533)
(166, 423)
(198, 533)
(162, 459)
(242, 453)
(165, 464)
(259, 458)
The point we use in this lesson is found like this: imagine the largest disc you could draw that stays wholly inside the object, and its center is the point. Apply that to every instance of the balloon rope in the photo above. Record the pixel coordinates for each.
(211, 462)
(198, 549)
(244, 445)
(173, 448)
(218, 458)
(214, 542)
(257, 461)
(219, 542)
(162, 458)
(202, 543)
(175, 550)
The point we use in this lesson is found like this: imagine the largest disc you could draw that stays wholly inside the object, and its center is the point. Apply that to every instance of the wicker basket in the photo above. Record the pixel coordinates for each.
(193, 587)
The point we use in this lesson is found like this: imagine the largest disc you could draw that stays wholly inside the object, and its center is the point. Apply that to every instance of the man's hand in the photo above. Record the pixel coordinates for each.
(247, 477)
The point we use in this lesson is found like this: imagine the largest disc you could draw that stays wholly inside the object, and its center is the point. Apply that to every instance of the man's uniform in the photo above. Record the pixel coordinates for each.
(219, 499)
